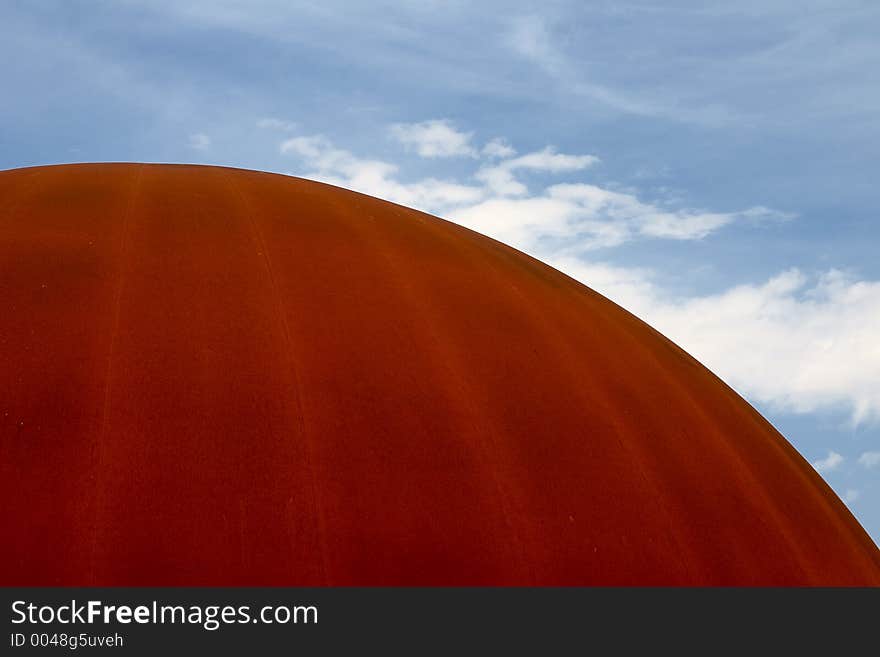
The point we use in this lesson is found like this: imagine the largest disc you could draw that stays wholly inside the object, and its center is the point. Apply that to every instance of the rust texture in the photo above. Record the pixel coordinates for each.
(212, 376)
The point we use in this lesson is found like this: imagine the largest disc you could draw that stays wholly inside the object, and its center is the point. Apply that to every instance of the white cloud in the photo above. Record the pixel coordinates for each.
(500, 179)
(498, 147)
(830, 462)
(199, 141)
(797, 341)
(870, 459)
(800, 343)
(574, 215)
(851, 495)
(583, 216)
(375, 177)
(549, 160)
(435, 138)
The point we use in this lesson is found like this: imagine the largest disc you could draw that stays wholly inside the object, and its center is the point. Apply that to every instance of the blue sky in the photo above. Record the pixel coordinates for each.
(711, 166)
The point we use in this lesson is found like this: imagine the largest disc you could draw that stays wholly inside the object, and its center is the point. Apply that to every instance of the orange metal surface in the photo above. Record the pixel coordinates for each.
(223, 377)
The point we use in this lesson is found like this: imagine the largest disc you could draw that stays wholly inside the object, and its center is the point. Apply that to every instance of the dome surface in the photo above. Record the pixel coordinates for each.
(214, 376)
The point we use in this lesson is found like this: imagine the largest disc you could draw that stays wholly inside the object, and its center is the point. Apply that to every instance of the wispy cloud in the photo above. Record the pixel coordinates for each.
(829, 463)
(271, 123)
(532, 38)
(434, 138)
(800, 342)
(870, 459)
(499, 176)
(498, 147)
(338, 166)
(497, 200)
(581, 217)
(199, 141)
